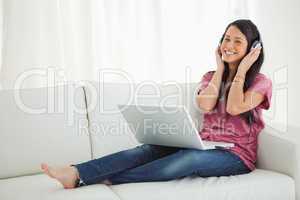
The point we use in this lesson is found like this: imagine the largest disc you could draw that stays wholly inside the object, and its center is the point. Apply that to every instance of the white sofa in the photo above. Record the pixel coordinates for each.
(53, 125)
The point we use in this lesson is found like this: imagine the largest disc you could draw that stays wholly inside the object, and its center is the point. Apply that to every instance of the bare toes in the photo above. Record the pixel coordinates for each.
(46, 170)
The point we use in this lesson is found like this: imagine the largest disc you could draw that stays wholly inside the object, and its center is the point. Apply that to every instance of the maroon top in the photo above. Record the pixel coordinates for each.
(221, 126)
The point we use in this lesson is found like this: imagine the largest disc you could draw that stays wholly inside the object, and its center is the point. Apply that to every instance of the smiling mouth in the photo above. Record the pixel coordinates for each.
(229, 53)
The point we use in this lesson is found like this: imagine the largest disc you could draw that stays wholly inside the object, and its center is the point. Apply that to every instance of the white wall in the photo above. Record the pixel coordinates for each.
(278, 21)
(189, 39)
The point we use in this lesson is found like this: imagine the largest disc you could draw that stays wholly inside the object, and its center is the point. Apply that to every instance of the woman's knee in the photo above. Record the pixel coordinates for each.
(186, 162)
(144, 150)
(192, 155)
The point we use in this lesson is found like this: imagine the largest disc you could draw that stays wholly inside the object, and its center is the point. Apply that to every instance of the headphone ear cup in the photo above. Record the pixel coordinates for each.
(255, 44)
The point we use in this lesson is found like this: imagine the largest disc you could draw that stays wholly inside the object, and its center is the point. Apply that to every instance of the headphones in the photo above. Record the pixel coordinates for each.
(256, 44)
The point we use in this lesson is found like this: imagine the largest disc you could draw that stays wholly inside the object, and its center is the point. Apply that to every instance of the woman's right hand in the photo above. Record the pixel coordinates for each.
(220, 62)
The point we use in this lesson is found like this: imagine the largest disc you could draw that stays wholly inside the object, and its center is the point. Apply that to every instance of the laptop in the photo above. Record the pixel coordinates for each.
(166, 126)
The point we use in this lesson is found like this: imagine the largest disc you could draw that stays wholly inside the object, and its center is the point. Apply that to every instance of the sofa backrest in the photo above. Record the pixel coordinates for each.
(42, 125)
(108, 128)
(52, 124)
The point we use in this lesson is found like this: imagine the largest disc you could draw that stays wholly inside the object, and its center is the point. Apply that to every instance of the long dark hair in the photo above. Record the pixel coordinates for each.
(249, 29)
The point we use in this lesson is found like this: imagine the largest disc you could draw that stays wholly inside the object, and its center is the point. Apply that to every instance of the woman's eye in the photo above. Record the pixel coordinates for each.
(226, 39)
(238, 42)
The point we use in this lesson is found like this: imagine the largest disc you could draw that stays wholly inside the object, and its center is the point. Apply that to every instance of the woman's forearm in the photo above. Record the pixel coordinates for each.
(208, 97)
(236, 93)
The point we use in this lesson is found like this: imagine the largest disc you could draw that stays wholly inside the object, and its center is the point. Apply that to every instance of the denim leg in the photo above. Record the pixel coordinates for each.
(183, 163)
(97, 170)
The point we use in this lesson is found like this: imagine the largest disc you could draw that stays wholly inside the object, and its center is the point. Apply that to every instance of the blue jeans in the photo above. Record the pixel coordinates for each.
(159, 163)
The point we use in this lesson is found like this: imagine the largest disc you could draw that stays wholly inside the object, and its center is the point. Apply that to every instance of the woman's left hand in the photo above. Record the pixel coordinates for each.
(249, 59)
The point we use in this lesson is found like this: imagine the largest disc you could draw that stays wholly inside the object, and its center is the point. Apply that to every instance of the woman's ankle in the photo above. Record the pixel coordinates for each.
(106, 182)
(75, 170)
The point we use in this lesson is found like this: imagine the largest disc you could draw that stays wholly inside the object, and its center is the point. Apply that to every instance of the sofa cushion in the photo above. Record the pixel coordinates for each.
(42, 125)
(259, 184)
(41, 187)
(106, 124)
(280, 151)
(109, 130)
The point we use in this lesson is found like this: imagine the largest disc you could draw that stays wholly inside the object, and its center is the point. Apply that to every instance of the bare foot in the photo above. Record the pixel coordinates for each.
(67, 176)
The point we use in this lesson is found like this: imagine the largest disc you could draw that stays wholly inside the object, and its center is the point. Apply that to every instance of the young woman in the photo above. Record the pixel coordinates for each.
(232, 98)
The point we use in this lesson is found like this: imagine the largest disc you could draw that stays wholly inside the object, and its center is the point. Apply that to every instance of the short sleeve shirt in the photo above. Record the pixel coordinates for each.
(220, 126)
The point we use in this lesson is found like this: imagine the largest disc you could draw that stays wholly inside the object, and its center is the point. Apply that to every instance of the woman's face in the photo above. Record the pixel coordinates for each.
(234, 45)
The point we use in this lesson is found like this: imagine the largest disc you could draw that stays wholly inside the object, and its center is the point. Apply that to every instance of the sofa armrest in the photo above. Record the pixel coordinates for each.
(280, 152)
